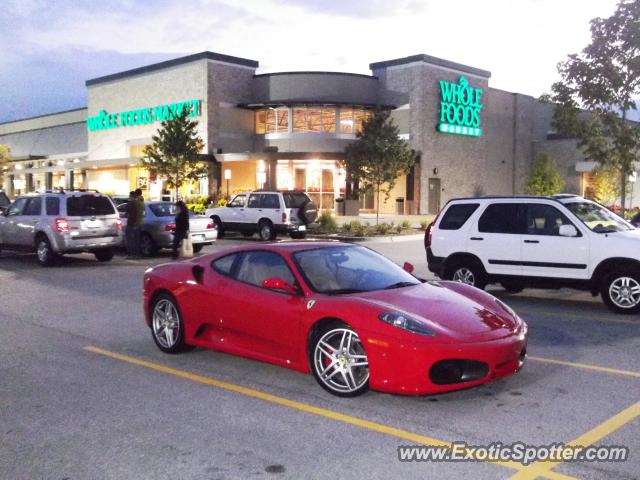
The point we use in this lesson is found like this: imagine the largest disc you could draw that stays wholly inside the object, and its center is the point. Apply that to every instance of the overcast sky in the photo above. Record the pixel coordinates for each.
(48, 48)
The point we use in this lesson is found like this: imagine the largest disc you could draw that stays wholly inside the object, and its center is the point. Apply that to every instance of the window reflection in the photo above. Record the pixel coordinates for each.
(310, 119)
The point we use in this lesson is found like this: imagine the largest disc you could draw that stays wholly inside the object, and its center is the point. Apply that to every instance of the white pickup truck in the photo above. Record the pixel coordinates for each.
(268, 213)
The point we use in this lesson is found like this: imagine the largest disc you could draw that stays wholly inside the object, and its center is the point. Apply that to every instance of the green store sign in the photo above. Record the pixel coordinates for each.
(142, 116)
(460, 108)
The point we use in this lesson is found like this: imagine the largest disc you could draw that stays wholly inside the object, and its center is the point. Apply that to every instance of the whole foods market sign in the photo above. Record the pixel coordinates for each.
(460, 108)
(142, 116)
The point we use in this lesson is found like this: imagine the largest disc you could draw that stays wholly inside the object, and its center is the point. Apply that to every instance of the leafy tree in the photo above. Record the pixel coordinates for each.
(5, 157)
(604, 80)
(604, 186)
(544, 178)
(378, 156)
(174, 152)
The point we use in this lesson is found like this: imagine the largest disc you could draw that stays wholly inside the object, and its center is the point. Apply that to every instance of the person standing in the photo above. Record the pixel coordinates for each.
(131, 212)
(182, 226)
(135, 217)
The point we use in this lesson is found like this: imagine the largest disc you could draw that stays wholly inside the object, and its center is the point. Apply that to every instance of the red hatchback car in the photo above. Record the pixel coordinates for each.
(352, 317)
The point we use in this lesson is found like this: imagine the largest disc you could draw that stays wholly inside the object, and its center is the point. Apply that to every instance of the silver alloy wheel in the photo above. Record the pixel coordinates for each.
(43, 251)
(265, 231)
(624, 292)
(166, 324)
(464, 275)
(340, 361)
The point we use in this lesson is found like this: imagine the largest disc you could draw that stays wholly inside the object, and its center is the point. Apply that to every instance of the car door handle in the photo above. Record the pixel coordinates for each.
(531, 241)
(476, 238)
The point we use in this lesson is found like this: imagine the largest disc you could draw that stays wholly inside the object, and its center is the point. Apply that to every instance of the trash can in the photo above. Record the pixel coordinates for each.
(400, 205)
(339, 207)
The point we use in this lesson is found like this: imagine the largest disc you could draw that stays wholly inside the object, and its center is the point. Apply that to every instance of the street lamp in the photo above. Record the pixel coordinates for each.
(227, 177)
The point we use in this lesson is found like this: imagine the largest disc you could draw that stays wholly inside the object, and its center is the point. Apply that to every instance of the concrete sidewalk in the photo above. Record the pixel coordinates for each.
(414, 220)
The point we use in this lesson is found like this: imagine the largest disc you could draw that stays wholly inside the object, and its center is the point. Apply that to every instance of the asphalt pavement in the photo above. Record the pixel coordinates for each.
(85, 393)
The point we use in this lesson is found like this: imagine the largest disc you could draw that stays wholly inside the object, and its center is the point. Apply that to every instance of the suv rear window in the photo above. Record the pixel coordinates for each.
(456, 215)
(295, 199)
(502, 218)
(89, 205)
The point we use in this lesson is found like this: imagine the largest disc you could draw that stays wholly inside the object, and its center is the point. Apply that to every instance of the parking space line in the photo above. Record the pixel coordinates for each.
(585, 366)
(542, 469)
(304, 407)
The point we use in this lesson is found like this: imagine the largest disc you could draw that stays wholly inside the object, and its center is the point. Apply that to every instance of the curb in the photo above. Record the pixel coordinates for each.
(376, 239)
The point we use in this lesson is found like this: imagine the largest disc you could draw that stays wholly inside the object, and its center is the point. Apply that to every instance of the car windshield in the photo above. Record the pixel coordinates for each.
(164, 209)
(350, 269)
(89, 205)
(598, 218)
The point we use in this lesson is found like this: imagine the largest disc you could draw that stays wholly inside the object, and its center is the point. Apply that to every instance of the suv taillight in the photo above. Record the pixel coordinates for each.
(61, 225)
(428, 234)
(211, 225)
(170, 227)
(118, 224)
(284, 217)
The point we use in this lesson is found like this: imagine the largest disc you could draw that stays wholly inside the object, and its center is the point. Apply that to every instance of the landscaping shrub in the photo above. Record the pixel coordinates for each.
(327, 223)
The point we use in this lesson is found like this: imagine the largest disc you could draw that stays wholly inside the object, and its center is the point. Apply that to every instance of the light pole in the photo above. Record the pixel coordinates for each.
(227, 177)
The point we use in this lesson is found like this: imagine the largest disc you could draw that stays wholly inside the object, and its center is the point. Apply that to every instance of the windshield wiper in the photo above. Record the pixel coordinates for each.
(338, 291)
(400, 285)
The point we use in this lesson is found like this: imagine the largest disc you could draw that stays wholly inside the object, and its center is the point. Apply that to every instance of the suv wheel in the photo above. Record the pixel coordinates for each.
(45, 254)
(621, 291)
(147, 245)
(467, 272)
(266, 231)
(104, 254)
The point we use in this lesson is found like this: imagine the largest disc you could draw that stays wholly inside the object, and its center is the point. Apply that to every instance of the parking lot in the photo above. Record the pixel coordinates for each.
(85, 393)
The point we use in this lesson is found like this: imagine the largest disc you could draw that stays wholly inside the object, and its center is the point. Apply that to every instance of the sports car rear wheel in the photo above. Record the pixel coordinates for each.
(167, 326)
(339, 362)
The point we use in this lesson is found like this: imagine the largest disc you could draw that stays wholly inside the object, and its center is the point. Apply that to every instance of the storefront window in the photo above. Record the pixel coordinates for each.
(351, 119)
(310, 119)
(314, 119)
(277, 120)
(261, 119)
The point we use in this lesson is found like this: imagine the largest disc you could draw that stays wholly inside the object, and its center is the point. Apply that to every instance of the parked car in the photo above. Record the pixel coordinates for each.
(56, 223)
(343, 312)
(267, 213)
(158, 227)
(542, 242)
(119, 199)
(4, 202)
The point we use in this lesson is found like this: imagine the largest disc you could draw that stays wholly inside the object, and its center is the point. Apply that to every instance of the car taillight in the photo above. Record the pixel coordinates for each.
(118, 224)
(211, 225)
(428, 234)
(170, 227)
(62, 225)
(284, 217)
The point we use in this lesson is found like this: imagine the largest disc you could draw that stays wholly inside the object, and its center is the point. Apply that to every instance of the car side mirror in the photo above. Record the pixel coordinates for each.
(276, 283)
(567, 231)
(408, 267)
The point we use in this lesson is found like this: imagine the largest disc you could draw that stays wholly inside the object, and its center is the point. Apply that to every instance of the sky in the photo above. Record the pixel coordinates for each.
(48, 48)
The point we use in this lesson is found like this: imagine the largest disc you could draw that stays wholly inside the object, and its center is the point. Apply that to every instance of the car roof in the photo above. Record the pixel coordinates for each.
(560, 198)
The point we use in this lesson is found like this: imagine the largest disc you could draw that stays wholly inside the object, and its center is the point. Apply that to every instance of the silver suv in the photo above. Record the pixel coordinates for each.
(55, 223)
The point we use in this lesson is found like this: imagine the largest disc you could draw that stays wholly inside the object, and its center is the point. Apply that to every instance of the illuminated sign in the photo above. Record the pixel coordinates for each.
(142, 116)
(460, 108)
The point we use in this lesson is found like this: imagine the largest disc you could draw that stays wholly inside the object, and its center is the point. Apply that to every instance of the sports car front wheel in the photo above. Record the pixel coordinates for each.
(339, 362)
(167, 326)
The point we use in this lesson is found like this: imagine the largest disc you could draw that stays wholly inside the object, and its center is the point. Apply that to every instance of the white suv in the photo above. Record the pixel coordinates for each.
(541, 242)
(267, 213)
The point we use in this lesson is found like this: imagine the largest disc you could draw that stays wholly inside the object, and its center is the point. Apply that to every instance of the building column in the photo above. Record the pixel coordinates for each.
(9, 185)
(28, 182)
(68, 179)
(272, 177)
(214, 177)
(48, 180)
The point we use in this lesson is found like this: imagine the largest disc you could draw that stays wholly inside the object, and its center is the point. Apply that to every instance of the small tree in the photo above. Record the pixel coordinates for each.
(604, 80)
(174, 152)
(604, 187)
(378, 156)
(544, 178)
(5, 157)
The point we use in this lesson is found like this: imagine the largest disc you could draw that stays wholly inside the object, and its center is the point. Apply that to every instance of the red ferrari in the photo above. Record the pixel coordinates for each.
(352, 317)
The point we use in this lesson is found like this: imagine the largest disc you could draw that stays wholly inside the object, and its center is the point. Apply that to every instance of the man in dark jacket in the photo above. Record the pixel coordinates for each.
(135, 217)
(182, 226)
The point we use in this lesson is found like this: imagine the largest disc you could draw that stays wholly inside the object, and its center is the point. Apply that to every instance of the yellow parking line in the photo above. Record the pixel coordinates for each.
(585, 366)
(304, 407)
(542, 469)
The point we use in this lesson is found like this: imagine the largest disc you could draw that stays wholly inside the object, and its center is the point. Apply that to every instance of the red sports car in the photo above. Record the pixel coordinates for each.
(352, 317)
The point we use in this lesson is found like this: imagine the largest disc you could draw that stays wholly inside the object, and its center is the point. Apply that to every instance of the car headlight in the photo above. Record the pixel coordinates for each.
(405, 322)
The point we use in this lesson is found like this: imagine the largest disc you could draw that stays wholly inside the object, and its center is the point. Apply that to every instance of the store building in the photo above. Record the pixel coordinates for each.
(289, 131)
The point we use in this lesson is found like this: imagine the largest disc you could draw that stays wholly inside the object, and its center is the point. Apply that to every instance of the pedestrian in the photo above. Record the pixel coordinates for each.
(182, 226)
(135, 217)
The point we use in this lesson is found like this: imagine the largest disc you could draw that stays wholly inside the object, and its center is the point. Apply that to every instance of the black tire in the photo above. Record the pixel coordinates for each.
(44, 253)
(148, 247)
(298, 235)
(318, 359)
(308, 212)
(620, 290)
(197, 248)
(160, 340)
(266, 230)
(512, 287)
(104, 254)
(218, 223)
(468, 271)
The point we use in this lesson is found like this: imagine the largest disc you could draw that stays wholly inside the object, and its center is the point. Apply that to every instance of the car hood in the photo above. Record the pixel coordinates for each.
(457, 310)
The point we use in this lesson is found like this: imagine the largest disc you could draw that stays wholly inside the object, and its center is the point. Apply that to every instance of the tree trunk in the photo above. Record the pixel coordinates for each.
(623, 177)
(377, 202)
